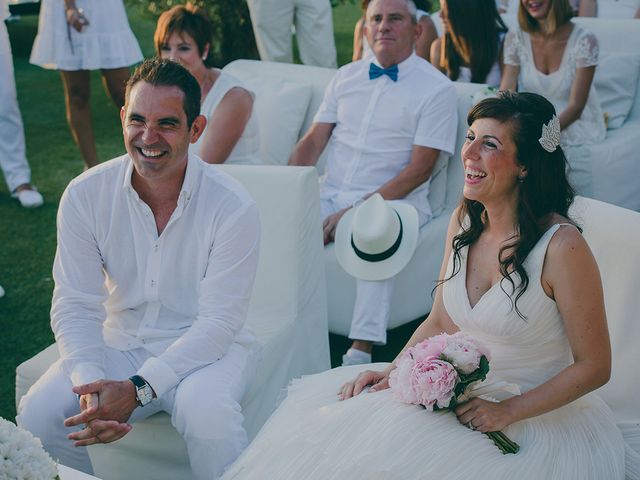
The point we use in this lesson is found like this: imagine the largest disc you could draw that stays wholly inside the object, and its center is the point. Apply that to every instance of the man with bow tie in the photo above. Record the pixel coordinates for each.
(388, 120)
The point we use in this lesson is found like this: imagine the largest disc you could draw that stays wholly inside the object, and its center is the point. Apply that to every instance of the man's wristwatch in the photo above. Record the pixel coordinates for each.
(144, 392)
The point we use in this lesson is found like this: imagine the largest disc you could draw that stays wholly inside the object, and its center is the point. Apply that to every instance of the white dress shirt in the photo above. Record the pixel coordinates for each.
(377, 124)
(182, 295)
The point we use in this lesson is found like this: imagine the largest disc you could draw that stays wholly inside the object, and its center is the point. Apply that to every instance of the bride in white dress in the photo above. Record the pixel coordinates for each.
(518, 276)
(550, 55)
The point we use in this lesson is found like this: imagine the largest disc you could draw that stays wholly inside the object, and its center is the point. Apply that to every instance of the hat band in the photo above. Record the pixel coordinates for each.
(379, 257)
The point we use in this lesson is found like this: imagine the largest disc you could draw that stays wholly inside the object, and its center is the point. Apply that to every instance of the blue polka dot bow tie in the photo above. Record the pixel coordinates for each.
(375, 71)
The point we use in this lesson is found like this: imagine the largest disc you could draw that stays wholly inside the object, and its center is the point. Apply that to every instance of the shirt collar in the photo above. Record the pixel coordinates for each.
(404, 67)
(194, 166)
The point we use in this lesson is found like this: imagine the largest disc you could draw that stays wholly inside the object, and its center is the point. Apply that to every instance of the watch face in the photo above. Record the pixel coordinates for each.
(145, 395)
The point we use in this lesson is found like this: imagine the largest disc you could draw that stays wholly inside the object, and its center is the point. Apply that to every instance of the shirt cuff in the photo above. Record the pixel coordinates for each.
(86, 373)
(159, 375)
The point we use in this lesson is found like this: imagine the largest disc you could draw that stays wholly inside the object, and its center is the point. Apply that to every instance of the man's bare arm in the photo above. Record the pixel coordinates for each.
(308, 150)
(423, 161)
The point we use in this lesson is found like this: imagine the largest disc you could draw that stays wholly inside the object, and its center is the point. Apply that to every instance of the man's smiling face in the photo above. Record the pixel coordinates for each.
(156, 134)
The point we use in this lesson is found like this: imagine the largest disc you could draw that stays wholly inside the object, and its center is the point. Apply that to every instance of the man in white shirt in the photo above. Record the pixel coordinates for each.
(385, 123)
(156, 258)
(13, 160)
(272, 21)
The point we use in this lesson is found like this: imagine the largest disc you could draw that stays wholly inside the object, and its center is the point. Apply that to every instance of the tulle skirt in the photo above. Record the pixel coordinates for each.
(312, 435)
(107, 42)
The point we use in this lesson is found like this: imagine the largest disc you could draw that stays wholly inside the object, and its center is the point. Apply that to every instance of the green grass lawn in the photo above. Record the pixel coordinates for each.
(27, 237)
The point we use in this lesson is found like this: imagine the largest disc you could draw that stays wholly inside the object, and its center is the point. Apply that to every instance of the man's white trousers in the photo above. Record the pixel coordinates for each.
(13, 160)
(204, 408)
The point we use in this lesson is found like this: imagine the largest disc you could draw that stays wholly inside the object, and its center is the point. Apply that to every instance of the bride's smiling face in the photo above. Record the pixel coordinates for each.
(489, 157)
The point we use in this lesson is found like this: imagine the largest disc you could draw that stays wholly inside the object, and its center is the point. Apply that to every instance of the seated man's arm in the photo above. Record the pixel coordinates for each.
(223, 302)
(308, 150)
(77, 311)
(423, 160)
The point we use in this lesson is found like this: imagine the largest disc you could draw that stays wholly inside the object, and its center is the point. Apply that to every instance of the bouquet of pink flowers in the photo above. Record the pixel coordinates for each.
(440, 372)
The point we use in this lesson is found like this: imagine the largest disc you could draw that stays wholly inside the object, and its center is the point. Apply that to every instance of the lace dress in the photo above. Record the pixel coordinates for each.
(107, 42)
(312, 435)
(246, 151)
(581, 51)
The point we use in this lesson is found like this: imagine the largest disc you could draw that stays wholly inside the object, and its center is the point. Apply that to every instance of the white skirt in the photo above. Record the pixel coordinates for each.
(312, 435)
(107, 42)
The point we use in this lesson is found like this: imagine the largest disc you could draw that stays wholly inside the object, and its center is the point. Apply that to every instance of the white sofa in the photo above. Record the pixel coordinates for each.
(298, 90)
(287, 312)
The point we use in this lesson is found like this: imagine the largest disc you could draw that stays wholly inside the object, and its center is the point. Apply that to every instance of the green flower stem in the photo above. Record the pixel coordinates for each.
(504, 443)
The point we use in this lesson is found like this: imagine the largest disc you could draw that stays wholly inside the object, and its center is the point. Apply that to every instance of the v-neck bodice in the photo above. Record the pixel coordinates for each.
(525, 351)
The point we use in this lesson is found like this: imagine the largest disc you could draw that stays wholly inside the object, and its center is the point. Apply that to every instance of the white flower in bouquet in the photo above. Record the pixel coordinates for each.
(464, 352)
(22, 456)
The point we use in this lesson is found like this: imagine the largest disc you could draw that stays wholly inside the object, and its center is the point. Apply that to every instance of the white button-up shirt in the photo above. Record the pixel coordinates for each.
(379, 121)
(183, 295)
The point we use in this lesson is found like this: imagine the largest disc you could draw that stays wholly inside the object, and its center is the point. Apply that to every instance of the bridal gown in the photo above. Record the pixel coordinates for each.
(312, 435)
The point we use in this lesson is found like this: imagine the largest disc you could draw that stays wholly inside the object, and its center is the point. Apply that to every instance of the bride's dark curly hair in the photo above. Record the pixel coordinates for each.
(543, 192)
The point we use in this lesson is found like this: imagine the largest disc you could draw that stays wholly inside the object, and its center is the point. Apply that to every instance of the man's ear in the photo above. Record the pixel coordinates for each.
(197, 127)
(123, 114)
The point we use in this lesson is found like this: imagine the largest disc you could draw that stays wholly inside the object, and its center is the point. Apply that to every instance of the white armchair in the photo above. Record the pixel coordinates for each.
(612, 234)
(287, 312)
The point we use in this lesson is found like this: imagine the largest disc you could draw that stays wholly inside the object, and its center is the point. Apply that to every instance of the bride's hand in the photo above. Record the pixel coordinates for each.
(484, 416)
(377, 380)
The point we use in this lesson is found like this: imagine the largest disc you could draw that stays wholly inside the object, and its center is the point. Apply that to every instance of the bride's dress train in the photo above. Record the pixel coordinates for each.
(312, 435)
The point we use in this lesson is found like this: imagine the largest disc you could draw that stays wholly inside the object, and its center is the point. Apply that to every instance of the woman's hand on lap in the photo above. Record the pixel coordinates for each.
(377, 380)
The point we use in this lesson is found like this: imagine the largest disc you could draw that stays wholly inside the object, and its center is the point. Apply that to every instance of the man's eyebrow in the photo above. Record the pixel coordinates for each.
(135, 116)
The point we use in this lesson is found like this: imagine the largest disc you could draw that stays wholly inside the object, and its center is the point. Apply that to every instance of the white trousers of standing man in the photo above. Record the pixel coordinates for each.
(204, 408)
(13, 160)
(272, 21)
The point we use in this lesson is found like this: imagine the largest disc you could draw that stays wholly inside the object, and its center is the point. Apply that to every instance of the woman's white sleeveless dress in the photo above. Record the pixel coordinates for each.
(107, 42)
(312, 435)
(247, 148)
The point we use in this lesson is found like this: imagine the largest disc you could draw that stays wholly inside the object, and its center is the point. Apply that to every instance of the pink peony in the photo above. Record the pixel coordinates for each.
(426, 382)
(430, 348)
(433, 382)
(400, 380)
(464, 352)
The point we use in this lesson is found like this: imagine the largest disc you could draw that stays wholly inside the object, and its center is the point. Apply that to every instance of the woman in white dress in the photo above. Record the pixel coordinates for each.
(428, 33)
(519, 277)
(552, 56)
(470, 49)
(183, 34)
(76, 36)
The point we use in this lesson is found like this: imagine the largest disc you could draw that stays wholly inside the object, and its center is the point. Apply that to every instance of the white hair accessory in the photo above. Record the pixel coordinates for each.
(550, 138)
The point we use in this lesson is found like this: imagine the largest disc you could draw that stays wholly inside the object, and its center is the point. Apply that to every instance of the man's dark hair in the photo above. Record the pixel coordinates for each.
(167, 73)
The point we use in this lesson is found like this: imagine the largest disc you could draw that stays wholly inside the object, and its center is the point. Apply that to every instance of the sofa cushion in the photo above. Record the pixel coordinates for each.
(616, 82)
(281, 114)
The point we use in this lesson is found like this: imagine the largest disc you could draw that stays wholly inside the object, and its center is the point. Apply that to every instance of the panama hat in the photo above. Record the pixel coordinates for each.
(376, 239)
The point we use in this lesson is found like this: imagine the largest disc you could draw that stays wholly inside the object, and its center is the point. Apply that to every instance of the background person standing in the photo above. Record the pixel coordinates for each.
(272, 20)
(13, 160)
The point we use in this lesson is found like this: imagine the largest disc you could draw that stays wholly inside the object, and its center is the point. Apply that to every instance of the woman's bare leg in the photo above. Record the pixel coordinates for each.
(77, 90)
(114, 81)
